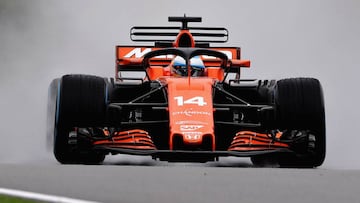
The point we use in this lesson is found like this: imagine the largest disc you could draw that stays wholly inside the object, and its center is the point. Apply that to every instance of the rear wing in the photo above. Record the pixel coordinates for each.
(124, 53)
(167, 34)
(168, 38)
(130, 59)
(140, 51)
(163, 34)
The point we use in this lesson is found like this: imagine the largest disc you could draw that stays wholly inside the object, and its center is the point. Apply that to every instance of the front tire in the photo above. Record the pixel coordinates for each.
(81, 102)
(300, 107)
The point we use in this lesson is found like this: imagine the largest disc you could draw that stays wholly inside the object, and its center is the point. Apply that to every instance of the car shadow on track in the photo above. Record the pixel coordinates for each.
(129, 160)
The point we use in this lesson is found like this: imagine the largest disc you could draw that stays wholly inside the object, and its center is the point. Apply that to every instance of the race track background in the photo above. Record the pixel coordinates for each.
(182, 183)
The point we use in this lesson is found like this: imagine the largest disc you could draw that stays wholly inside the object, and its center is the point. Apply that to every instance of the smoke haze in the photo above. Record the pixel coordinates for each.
(43, 39)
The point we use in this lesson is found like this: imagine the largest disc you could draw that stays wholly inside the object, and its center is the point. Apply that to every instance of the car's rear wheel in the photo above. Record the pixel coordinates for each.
(81, 102)
(300, 111)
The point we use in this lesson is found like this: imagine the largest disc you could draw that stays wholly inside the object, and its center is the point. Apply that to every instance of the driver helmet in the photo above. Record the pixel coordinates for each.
(179, 66)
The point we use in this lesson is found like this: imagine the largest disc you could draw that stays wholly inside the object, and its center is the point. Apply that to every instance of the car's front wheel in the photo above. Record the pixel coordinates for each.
(300, 114)
(80, 102)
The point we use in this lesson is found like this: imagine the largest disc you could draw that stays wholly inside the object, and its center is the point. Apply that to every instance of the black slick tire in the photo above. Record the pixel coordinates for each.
(300, 106)
(81, 102)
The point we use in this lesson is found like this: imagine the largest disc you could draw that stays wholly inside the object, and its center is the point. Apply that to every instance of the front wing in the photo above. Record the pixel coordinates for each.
(159, 153)
(139, 142)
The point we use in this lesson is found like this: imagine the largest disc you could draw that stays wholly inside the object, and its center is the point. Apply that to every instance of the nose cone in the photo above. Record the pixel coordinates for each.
(192, 137)
(190, 113)
(193, 140)
(191, 133)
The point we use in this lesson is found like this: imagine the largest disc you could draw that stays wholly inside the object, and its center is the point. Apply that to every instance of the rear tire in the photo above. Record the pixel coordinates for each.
(81, 102)
(300, 106)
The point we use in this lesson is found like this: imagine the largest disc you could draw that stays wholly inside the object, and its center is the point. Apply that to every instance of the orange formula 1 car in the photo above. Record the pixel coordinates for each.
(182, 100)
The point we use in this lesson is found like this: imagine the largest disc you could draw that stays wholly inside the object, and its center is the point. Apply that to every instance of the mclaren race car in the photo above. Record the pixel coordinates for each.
(179, 99)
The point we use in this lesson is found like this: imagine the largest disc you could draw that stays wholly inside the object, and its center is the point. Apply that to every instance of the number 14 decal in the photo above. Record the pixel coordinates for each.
(195, 100)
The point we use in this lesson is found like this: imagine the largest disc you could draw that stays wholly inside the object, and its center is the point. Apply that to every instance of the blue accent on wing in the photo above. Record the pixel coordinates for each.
(57, 104)
(106, 93)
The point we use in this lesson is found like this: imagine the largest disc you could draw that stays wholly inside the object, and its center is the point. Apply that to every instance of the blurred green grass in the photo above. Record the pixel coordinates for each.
(9, 199)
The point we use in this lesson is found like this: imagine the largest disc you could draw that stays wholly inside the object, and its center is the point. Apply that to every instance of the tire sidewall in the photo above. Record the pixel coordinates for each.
(80, 102)
(300, 106)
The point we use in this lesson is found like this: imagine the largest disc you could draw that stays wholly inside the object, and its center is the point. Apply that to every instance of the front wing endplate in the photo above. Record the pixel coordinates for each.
(159, 153)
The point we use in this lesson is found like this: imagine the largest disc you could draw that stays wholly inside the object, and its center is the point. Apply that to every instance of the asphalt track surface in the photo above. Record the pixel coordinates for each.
(230, 180)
